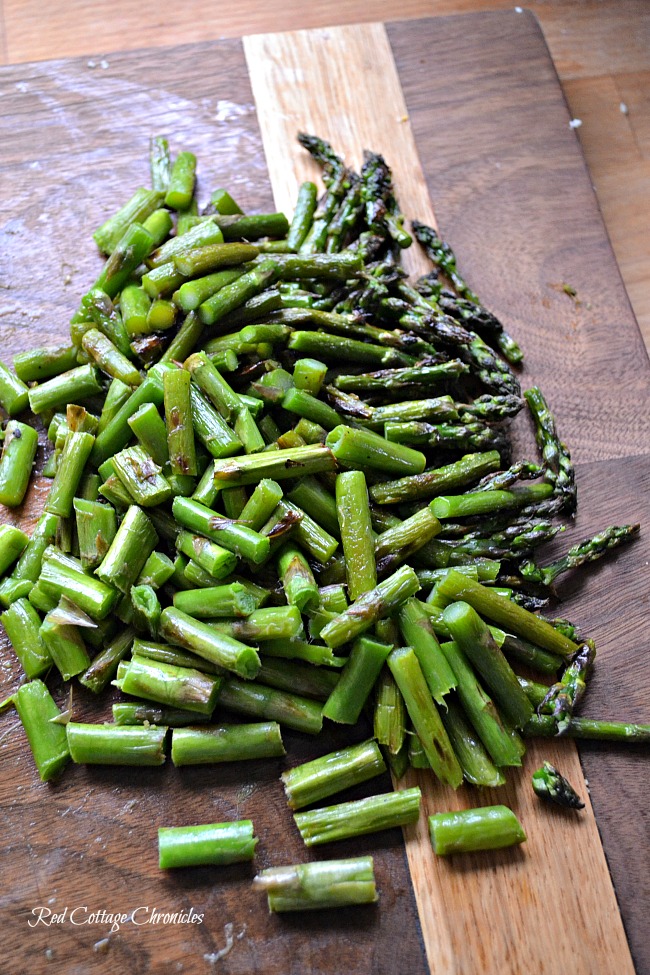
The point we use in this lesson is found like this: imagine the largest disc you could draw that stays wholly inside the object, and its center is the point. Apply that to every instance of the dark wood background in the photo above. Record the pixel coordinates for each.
(511, 193)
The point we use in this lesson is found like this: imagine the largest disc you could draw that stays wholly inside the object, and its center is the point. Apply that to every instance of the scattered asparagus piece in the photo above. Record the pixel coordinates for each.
(469, 830)
(319, 885)
(47, 739)
(215, 844)
(550, 785)
(349, 819)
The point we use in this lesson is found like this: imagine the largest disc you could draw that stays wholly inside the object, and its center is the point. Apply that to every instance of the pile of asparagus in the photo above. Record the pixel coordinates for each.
(282, 486)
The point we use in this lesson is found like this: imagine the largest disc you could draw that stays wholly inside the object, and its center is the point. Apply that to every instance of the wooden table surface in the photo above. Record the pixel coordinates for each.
(600, 48)
(473, 171)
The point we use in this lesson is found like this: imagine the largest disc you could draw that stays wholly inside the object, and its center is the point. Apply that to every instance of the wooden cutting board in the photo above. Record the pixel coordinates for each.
(469, 113)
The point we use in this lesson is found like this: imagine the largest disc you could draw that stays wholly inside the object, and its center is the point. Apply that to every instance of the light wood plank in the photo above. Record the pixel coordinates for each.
(522, 909)
(296, 90)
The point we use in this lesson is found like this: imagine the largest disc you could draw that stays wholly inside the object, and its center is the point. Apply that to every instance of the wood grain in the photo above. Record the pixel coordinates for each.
(295, 90)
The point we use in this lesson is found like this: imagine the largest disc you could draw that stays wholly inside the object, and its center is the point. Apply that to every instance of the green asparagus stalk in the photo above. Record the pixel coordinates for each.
(140, 712)
(22, 624)
(65, 645)
(180, 432)
(556, 456)
(297, 579)
(47, 739)
(508, 615)
(12, 543)
(478, 769)
(272, 704)
(315, 886)
(589, 729)
(308, 783)
(504, 746)
(297, 677)
(417, 631)
(473, 636)
(207, 642)
(357, 680)
(226, 743)
(350, 819)
(228, 600)
(237, 538)
(293, 463)
(34, 365)
(586, 551)
(76, 452)
(18, 452)
(134, 542)
(465, 471)
(389, 714)
(563, 696)
(423, 713)
(469, 830)
(177, 687)
(356, 532)
(379, 602)
(104, 666)
(105, 744)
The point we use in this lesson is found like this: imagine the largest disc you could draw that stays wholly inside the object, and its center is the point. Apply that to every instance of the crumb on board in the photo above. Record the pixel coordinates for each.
(575, 123)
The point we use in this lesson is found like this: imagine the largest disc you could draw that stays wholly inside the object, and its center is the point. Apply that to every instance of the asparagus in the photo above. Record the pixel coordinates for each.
(344, 299)
(594, 729)
(563, 696)
(556, 456)
(139, 712)
(357, 680)
(504, 747)
(550, 785)
(425, 716)
(205, 641)
(177, 687)
(353, 514)
(322, 777)
(314, 886)
(589, 550)
(215, 844)
(444, 258)
(377, 603)
(272, 704)
(350, 819)
(18, 452)
(13, 542)
(104, 744)
(473, 636)
(478, 769)
(469, 830)
(47, 739)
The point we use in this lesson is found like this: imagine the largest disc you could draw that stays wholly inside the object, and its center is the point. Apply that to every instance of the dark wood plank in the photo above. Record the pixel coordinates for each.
(512, 194)
(509, 187)
(75, 144)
